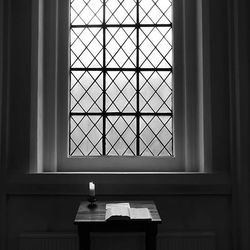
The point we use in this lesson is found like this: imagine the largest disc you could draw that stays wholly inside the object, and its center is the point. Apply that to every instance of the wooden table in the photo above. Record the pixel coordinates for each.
(93, 220)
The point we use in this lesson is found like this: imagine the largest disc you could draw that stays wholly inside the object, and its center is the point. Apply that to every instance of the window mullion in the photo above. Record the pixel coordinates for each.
(104, 82)
(137, 82)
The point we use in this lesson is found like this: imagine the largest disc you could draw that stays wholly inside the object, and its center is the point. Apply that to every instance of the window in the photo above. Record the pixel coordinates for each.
(57, 72)
(121, 78)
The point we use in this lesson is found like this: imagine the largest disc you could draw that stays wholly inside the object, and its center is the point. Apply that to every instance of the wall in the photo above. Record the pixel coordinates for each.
(191, 206)
(240, 171)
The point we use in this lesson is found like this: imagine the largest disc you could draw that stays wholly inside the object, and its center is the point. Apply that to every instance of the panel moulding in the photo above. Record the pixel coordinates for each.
(69, 241)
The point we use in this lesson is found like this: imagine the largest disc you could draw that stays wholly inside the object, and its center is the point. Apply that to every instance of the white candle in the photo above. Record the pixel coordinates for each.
(91, 189)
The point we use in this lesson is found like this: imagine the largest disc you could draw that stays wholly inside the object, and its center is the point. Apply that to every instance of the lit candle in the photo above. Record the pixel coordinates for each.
(91, 189)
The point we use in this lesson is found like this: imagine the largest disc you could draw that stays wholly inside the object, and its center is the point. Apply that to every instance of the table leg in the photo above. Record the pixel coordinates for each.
(84, 238)
(150, 238)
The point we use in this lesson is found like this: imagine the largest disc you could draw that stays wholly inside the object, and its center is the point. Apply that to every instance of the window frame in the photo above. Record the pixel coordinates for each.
(106, 108)
(49, 131)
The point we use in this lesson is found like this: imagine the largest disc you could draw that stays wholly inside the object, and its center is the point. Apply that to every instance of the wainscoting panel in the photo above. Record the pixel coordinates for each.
(187, 241)
(100, 241)
(48, 241)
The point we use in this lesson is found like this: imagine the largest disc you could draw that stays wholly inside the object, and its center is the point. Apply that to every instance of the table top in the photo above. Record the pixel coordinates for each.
(97, 214)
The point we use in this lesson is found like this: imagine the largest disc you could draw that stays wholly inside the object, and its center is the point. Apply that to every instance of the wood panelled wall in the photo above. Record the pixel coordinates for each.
(45, 207)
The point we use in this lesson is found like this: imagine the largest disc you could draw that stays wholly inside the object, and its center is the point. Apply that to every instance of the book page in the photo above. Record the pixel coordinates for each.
(140, 214)
(117, 211)
(125, 204)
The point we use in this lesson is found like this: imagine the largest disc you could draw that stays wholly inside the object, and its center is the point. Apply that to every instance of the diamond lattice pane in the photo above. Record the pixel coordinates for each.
(155, 91)
(121, 135)
(155, 47)
(156, 137)
(120, 91)
(86, 91)
(121, 47)
(86, 12)
(120, 12)
(85, 135)
(86, 47)
(155, 11)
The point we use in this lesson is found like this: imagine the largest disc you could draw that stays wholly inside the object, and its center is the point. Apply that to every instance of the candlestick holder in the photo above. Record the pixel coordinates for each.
(92, 201)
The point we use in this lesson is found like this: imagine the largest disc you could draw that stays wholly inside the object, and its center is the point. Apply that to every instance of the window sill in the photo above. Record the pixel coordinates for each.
(118, 184)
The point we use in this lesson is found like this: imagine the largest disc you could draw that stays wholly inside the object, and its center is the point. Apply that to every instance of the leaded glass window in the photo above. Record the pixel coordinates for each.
(121, 89)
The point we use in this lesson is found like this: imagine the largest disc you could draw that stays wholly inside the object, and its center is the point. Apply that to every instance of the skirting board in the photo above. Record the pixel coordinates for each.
(166, 241)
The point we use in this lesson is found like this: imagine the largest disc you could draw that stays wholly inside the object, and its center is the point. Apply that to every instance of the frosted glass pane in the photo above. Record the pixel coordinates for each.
(86, 47)
(156, 91)
(155, 47)
(122, 12)
(85, 135)
(157, 12)
(156, 137)
(120, 47)
(89, 12)
(121, 91)
(120, 135)
(86, 91)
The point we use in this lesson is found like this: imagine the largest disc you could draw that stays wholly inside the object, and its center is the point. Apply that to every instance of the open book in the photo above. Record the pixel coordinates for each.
(123, 211)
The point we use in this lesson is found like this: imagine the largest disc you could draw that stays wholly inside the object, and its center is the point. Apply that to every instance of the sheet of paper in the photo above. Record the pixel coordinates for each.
(110, 205)
(140, 214)
(117, 211)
